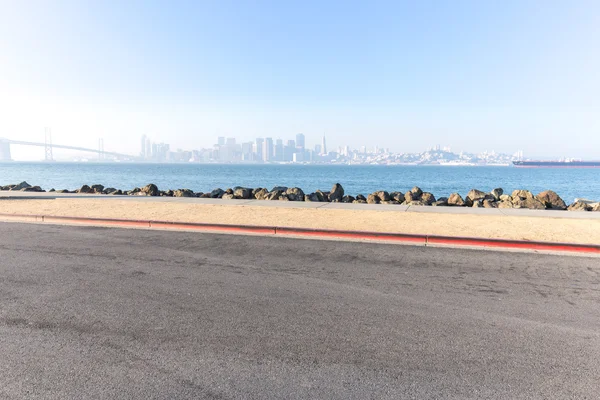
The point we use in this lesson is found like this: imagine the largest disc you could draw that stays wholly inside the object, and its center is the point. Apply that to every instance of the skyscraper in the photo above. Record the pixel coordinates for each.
(324, 146)
(300, 141)
(221, 141)
(259, 149)
(268, 149)
(279, 150)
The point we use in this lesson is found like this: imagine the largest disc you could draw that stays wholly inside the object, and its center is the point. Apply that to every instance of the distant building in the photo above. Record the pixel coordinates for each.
(221, 141)
(259, 149)
(324, 146)
(247, 151)
(318, 149)
(268, 149)
(279, 156)
(300, 141)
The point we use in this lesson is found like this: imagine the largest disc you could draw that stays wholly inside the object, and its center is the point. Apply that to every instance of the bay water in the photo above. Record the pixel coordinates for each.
(569, 183)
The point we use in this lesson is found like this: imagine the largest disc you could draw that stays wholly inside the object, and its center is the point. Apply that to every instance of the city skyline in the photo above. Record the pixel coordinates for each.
(509, 75)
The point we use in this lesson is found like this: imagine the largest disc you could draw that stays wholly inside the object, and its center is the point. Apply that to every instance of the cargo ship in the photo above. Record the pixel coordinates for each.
(557, 164)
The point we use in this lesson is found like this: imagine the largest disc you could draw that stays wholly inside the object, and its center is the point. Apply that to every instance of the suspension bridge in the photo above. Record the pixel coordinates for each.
(5, 149)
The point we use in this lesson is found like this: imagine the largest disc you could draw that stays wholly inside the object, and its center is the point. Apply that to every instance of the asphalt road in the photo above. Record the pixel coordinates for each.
(115, 313)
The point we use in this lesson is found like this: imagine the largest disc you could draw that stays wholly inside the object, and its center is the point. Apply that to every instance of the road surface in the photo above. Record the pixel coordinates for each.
(115, 313)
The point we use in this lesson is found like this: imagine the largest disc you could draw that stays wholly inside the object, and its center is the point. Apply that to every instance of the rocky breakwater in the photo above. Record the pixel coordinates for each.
(518, 199)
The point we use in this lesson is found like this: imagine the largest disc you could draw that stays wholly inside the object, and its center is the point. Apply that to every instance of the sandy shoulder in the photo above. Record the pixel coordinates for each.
(502, 227)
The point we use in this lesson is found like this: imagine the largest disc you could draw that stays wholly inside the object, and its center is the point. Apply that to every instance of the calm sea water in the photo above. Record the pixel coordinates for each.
(441, 181)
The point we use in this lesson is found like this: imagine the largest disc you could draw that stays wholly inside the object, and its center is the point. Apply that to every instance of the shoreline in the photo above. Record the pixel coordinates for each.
(580, 228)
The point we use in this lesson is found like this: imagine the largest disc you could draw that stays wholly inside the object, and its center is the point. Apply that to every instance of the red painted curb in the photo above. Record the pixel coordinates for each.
(398, 237)
(322, 233)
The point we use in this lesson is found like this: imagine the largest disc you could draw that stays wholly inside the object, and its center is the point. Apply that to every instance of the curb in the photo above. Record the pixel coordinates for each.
(416, 239)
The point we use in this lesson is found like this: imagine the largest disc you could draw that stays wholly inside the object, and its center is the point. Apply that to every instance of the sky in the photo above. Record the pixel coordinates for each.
(473, 75)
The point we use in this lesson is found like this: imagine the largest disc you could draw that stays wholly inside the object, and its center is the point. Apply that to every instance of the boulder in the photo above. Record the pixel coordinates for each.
(242, 193)
(183, 193)
(399, 197)
(117, 192)
(505, 203)
(410, 197)
(274, 195)
(551, 200)
(33, 189)
(217, 193)
(505, 197)
(579, 206)
(323, 195)
(284, 197)
(456, 200)
(337, 193)
(595, 206)
(416, 191)
(62, 191)
(229, 191)
(441, 202)
(227, 196)
(526, 199)
(282, 189)
(383, 195)
(477, 204)
(497, 193)
(348, 199)
(427, 198)
(361, 197)
(84, 189)
(418, 203)
(98, 189)
(256, 190)
(489, 204)
(149, 190)
(474, 196)
(52, 190)
(206, 195)
(389, 202)
(20, 186)
(109, 190)
(360, 201)
(261, 194)
(373, 199)
(312, 197)
(295, 194)
(200, 194)
(134, 191)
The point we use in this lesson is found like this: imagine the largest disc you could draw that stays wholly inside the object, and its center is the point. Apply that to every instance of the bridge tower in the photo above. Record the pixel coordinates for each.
(5, 151)
(48, 145)
(101, 154)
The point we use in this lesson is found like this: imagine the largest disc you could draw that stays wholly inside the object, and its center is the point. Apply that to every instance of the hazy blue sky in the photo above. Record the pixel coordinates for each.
(473, 75)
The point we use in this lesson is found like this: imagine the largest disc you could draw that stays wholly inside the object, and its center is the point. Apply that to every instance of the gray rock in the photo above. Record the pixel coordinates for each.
(98, 189)
(427, 198)
(551, 200)
(274, 195)
(242, 193)
(473, 196)
(217, 193)
(418, 203)
(84, 189)
(361, 197)
(229, 191)
(323, 195)
(359, 201)
(416, 191)
(477, 204)
(282, 189)
(383, 195)
(410, 197)
(489, 204)
(348, 199)
(456, 200)
(295, 194)
(20, 186)
(505, 197)
(497, 193)
(63, 191)
(149, 190)
(526, 199)
(261, 194)
(227, 196)
(183, 193)
(373, 199)
(134, 192)
(312, 197)
(580, 206)
(595, 206)
(33, 189)
(337, 193)
(441, 202)
(399, 197)
(284, 197)
(109, 190)
(206, 195)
